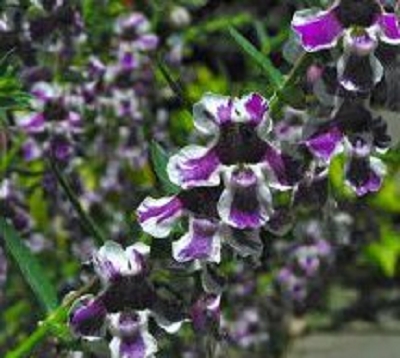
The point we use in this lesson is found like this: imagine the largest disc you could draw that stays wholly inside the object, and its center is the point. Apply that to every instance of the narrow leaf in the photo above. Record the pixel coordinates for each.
(160, 160)
(29, 267)
(175, 85)
(265, 63)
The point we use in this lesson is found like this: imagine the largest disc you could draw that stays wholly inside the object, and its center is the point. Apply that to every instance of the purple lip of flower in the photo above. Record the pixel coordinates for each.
(202, 242)
(364, 174)
(87, 317)
(246, 203)
(131, 336)
(322, 30)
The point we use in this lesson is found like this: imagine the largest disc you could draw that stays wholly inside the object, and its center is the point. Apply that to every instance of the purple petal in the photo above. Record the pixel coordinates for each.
(364, 175)
(34, 123)
(132, 21)
(87, 317)
(74, 121)
(211, 112)
(194, 166)
(317, 31)
(128, 60)
(132, 340)
(245, 203)
(44, 91)
(61, 148)
(390, 28)
(136, 255)
(324, 143)
(158, 216)
(141, 346)
(256, 107)
(31, 150)
(147, 42)
(111, 262)
(202, 242)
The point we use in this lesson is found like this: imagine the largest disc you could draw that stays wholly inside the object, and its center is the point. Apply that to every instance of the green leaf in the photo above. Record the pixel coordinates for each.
(273, 74)
(29, 266)
(159, 159)
(386, 252)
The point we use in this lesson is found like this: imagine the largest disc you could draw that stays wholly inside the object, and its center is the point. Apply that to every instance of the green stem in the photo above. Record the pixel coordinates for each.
(46, 327)
(37, 336)
(277, 102)
(216, 25)
(86, 220)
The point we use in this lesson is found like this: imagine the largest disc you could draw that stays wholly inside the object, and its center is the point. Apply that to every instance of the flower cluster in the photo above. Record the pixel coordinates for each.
(352, 127)
(226, 186)
(306, 261)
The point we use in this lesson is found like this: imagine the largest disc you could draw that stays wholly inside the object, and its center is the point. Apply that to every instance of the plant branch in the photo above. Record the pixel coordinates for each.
(277, 102)
(46, 327)
(86, 220)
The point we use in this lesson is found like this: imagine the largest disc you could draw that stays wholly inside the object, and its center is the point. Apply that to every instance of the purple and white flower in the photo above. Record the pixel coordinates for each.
(319, 30)
(240, 154)
(355, 131)
(53, 122)
(123, 306)
(206, 232)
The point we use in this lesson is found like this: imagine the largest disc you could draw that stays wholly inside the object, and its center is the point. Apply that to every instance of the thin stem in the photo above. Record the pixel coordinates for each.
(59, 316)
(86, 220)
(293, 77)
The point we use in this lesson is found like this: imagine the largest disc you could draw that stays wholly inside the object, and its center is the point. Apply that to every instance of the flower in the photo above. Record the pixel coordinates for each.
(240, 154)
(306, 260)
(354, 130)
(123, 306)
(52, 123)
(319, 30)
(206, 233)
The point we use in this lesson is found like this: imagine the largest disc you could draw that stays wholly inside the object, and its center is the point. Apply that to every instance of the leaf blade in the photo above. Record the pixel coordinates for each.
(264, 62)
(30, 267)
(159, 159)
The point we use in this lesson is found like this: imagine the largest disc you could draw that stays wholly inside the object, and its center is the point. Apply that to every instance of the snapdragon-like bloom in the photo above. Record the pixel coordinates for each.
(123, 306)
(320, 30)
(239, 154)
(354, 130)
(51, 126)
(306, 260)
(206, 233)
